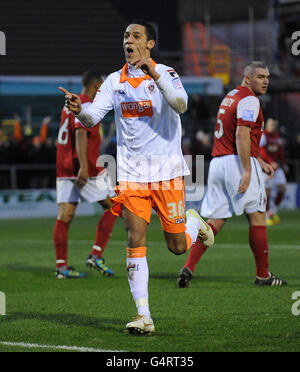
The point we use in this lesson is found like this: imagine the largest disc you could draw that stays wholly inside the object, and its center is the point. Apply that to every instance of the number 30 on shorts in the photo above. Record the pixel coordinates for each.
(176, 211)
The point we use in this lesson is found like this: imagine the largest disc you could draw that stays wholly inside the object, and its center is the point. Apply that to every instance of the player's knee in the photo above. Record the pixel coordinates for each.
(136, 238)
(177, 248)
(66, 212)
(66, 217)
(281, 189)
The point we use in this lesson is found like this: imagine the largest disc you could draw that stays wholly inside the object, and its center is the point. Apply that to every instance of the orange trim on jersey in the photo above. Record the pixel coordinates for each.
(134, 82)
(136, 252)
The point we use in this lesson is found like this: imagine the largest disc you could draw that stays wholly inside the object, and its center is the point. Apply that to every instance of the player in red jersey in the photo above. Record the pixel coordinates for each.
(235, 180)
(271, 150)
(79, 178)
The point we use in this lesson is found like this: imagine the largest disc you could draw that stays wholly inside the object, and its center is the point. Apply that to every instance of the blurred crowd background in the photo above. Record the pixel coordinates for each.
(207, 42)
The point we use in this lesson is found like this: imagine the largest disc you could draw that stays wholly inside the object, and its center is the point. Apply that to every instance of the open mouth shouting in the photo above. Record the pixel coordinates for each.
(129, 51)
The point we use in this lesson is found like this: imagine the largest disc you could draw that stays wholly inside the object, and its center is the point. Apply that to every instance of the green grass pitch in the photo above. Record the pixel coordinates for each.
(221, 311)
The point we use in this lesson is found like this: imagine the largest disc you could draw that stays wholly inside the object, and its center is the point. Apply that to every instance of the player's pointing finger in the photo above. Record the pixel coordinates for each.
(67, 93)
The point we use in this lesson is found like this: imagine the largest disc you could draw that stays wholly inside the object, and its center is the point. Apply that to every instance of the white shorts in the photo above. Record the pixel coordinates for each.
(222, 198)
(96, 189)
(279, 178)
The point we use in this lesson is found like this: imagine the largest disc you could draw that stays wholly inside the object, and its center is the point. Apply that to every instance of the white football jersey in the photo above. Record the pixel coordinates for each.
(148, 128)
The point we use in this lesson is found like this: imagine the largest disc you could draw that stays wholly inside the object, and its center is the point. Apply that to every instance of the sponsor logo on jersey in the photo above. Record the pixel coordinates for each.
(227, 102)
(119, 91)
(177, 83)
(137, 109)
(248, 115)
(232, 92)
(173, 74)
(180, 220)
(151, 87)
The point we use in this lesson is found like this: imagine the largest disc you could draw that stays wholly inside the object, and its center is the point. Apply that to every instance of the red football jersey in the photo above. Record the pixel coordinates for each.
(240, 107)
(67, 162)
(271, 148)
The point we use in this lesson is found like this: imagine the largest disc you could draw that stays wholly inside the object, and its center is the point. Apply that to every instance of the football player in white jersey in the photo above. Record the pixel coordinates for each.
(147, 99)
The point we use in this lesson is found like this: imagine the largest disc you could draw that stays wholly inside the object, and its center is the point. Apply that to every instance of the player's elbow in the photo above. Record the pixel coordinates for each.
(243, 132)
(86, 120)
(80, 132)
(242, 139)
(180, 106)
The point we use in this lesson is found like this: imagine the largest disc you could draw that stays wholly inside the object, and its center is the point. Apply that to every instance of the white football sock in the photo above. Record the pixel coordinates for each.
(138, 277)
(192, 227)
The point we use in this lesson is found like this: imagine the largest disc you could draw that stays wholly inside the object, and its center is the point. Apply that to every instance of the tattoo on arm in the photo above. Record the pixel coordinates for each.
(86, 119)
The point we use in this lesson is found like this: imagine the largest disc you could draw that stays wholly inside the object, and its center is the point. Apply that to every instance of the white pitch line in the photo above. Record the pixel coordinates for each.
(59, 347)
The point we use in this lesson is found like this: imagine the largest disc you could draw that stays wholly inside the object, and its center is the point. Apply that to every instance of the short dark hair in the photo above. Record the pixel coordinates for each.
(89, 76)
(150, 31)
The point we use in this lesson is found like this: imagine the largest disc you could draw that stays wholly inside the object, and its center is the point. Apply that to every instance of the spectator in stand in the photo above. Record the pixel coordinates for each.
(271, 149)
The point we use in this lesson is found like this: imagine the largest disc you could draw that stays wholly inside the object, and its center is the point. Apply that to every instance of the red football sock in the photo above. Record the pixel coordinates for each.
(60, 238)
(103, 232)
(196, 252)
(259, 244)
(195, 255)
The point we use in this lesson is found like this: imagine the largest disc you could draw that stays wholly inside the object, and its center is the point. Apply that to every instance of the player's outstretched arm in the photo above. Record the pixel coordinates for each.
(72, 101)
